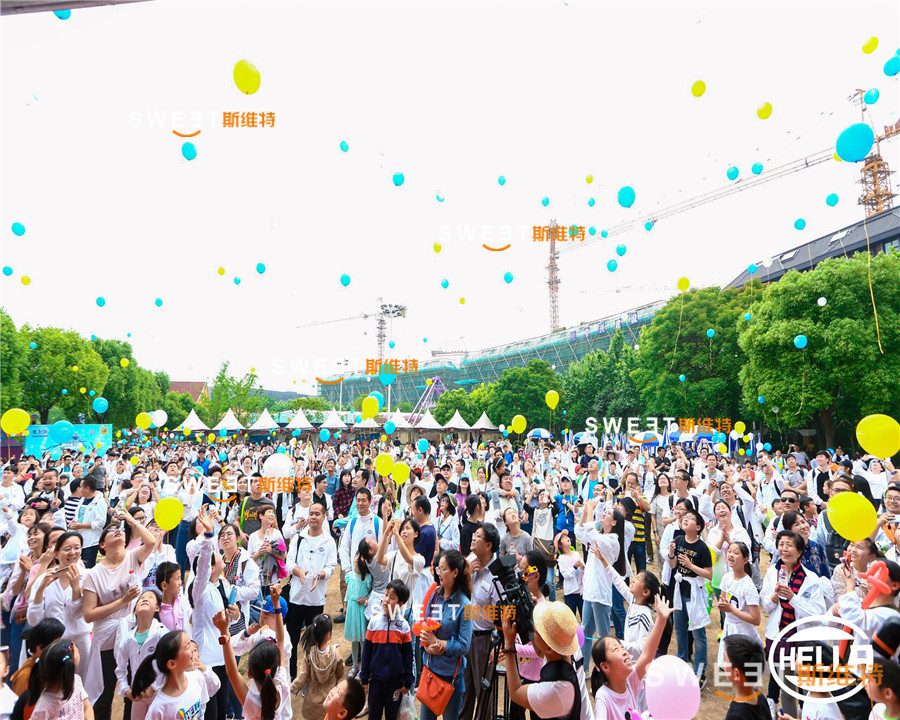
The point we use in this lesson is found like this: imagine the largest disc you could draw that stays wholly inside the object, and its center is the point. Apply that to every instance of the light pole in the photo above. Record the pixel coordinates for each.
(343, 367)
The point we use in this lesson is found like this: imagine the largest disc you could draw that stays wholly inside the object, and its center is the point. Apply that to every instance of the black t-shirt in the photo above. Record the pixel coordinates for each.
(250, 514)
(757, 709)
(697, 552)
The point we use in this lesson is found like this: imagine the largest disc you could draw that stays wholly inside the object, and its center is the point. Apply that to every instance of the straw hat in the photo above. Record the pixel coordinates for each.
(556, 624)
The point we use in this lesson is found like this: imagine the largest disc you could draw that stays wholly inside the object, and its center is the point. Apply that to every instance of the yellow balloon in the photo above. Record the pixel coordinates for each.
(118, 433)
(739, 427)
(552, 399)
(683, 284)
(400, 473)
(168, 513)
(187, 432)
(462, 301)
(247, 77)
(82, 390)
(437, 247)
(26, 280)
(741, 451)
(879, 435)
(837, 158)
(210, 437)
(764, 111)
(869, 45)
(747, 437)
(518, 424)
(124, 362)
(74, 368)
(369, 407)
(220, 270)
(852, 516)
(143, 420)
(134, 460)
(99, 444)
(698, 88)
(15, 421)
(384, 463)
(589, 179)
(383, 438)
(723, 448)
(428, 381)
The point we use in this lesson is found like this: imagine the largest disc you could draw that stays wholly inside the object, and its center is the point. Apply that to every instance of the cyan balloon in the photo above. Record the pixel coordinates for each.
(389, 427)
(422, 445)
(344, 146)
(545, 201)
(752, 268)
(747, 316)
(189, 150)
(757, 168)
(63, 14)
(158, 302)
(592, 230)
(854, 142)
(892, 66)
(399, 179)
(767, 447)
(100, 405)
(591, 202)
(101, 302)
(508, 277)
(324, 434)
(710, 333)
(648, 226)
(626, 196)
(760, 400)
(222, 457)
(732, 173)
(223, 433)
(345, 279)
(62, 431)
(33, 346)
(501, 180)
(380, 398)
(445, 283)
(871, 96)
(18, 229)
(604, 233)
(7, 270)
(681, 378)
(800, 342)
(831, 200)
(260, 268)
(612, 265)
(799, 224)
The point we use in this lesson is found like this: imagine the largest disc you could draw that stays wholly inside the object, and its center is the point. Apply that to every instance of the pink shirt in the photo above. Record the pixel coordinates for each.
(172, 616)
(529, 663)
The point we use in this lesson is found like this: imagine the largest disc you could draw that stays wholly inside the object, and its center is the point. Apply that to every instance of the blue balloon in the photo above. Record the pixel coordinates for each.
(648, 226)
(710, 333)
(344, 146)
(871, 96)
(592, 230)
(767, 447)
(626, 196)
(854, 143)
(237, 281)
(101, 302)
(800, 342)
(892, 66)
(612, 265)
(158, 302)
(389, 427)
(7, 270)
(621, 250)
(391, 344)
(281, 450)
(732, 173)
(760, 399)
(508, 277)
(398, 179)
(295, 433)
(62, 431)
(591, 202)
(439, 197)
(324, 434)
(92, 393)
(222, 457)
(260, 268)
(189, 150)
(604, 233)
(422, 445)
(506, 433)
(752, 268)
(64, 391)
(799, 224)
(757, 168)
(18, 229)
(445, 283)
(545, 201)
(681, 378)
(33, 345)
(747, 316)
(379, 397)
(831, 200)
(223, 433)
(358, 418)
(425, 340)
(100, 405)
(345, 279)
(63, 14)
(501, 180)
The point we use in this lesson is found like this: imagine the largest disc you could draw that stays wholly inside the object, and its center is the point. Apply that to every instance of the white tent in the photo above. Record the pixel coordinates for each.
(229, 422)
(457, 423)
(428, 422)
(299, 422)
(333, 422)
(400, 422)
(193, 423)
(484, 423)
(367, 424)
(265, 422)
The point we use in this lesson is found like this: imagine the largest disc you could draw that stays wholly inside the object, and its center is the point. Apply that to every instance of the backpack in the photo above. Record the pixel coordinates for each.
(353, 524)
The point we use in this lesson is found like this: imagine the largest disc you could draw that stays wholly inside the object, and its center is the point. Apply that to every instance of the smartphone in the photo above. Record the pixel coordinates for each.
(232, 596)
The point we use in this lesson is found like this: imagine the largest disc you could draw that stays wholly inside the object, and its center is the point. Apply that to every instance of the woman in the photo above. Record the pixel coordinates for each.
(241, 572)
(719, 537)
(659, 505)
(609, 541)
(110, 589)
(475, 508)
(24, 571)
(463, 490)
(878, 480)
(267, 548)
(189, 494)
(857, 557)
(447, 527)
(498, 470)
(404, 563)
(543, 521)
(790, 592)
(480, 480)
(144, 497)
(343, 496)
(813, 556)
(446, 647)
(534, 572)
(57, 592)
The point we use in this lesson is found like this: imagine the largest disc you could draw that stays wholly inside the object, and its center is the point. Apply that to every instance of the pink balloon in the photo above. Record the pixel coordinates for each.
(580, 634)
(672, 689)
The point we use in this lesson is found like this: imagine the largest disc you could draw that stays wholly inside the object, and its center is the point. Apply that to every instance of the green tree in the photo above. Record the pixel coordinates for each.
(676, 344)
(309, 403)
(450, 402)
(11, 360)
(841, 375)
(48, 370)
(357, 403)
(177, 406)
(521, 391)
(404, 407)
(242, 395)
(129, 390)
(162, 379)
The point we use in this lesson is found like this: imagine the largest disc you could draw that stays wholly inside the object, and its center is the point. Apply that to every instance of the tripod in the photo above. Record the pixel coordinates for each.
(486, 705)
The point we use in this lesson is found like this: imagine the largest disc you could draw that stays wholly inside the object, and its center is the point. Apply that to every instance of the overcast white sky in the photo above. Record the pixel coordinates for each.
(453, 95)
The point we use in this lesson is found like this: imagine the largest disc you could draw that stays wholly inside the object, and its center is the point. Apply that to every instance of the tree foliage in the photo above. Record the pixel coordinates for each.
(521, 391)
(841, 375)
(242, 395)
(11, 360)
(177, 406)
(129, 390)
(458, 399)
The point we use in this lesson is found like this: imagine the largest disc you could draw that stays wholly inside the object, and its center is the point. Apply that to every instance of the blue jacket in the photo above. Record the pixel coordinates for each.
(456, 629)
(387, 650)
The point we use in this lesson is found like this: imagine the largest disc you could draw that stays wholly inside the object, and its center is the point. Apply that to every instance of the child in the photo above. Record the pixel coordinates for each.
(266, 628)
(387, 656)
(887, 692)
(136, 638)
(359, 584)
(174, 606)
(7, 696)
(744, 663)
(739, 600)
(644, 587)
(321, 667)
(571, 567)
(344, 701)
(268, 697)
(813, 707)
(56, 690)
(617, 682)
(186, 689)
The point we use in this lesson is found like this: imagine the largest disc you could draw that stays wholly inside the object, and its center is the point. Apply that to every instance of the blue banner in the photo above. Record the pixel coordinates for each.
(87, 437)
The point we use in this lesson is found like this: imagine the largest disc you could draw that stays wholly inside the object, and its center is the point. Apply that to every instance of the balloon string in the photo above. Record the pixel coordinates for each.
(674, 349)
(710, 354)
(871, 291)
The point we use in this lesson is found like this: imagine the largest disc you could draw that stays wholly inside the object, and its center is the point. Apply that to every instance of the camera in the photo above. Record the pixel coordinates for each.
(513, 591)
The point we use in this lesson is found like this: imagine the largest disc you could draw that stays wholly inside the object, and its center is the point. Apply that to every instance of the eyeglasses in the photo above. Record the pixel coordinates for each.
(789, 499)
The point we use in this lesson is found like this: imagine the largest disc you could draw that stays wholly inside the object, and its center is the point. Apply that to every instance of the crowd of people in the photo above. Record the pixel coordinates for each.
(224, 615)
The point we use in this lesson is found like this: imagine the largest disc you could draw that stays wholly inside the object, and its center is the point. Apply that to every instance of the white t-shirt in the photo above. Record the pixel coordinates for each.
(613, 706)
(110, 584)
(551, 699)
(742, 594)
(187, 706)
(823, 711)
(50, 705)
(399, 569)
(252, 710)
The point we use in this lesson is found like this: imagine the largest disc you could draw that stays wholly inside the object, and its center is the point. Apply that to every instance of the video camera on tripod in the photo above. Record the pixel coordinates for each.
(513, 591)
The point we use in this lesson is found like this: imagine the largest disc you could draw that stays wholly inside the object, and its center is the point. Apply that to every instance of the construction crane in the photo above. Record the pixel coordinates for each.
(385, 312)
(875, 176)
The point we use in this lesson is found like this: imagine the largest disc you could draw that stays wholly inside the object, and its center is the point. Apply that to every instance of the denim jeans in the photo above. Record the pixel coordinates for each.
(638, 551)
(595, 619)
(574, 603)
(551, 581)
(618, 613)
(181, 541)
(699, 635)
(451, 712)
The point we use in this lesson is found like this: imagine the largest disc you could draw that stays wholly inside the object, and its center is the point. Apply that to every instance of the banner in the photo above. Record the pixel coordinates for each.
(86, 437)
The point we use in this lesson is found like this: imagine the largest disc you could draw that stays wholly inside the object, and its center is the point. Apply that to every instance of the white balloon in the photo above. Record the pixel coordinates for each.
(767, 262)
(822, 302)
(159, 417)
(278, 465)
(733, 435)
(502, 428)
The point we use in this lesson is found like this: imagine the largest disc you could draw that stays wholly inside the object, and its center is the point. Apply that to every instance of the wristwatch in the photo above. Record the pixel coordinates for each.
(510, 650)
(223, 639)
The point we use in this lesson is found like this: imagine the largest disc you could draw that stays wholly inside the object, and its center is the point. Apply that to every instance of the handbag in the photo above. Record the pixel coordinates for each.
(545, 548)
(434, 692)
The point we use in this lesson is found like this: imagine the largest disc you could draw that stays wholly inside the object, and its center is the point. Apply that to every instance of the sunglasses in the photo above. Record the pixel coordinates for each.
(789, 499)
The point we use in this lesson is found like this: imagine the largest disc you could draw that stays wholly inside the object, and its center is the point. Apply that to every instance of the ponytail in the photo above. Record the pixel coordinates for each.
(167, 649)
(598, 655)
(263, 662)
(314, 634)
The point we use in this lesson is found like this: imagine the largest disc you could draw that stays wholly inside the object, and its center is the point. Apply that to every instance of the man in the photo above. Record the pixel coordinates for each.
(250, 509)
(819, 475)
(681, 489)
(710, 475)
(90, 519)
(637, 550)
(11, 492)
(460, 472)
(590, 480)
(65, 470)
(363, 525)
(202, 462)
(546, 464)
(485, 545)
(588, 456)
(795, 475)
(427, 542)
(516, 541)
(566, 505)
(331, 477)
(311, 560)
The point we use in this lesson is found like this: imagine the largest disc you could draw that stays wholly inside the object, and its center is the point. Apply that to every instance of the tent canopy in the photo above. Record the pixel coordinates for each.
(299, 422)
(428, 422)
(368, 423)
(484, 423)
(333, 422)
(265, 422)
(193, 423)
(229, 422)
(400, 422)
(457, 423)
